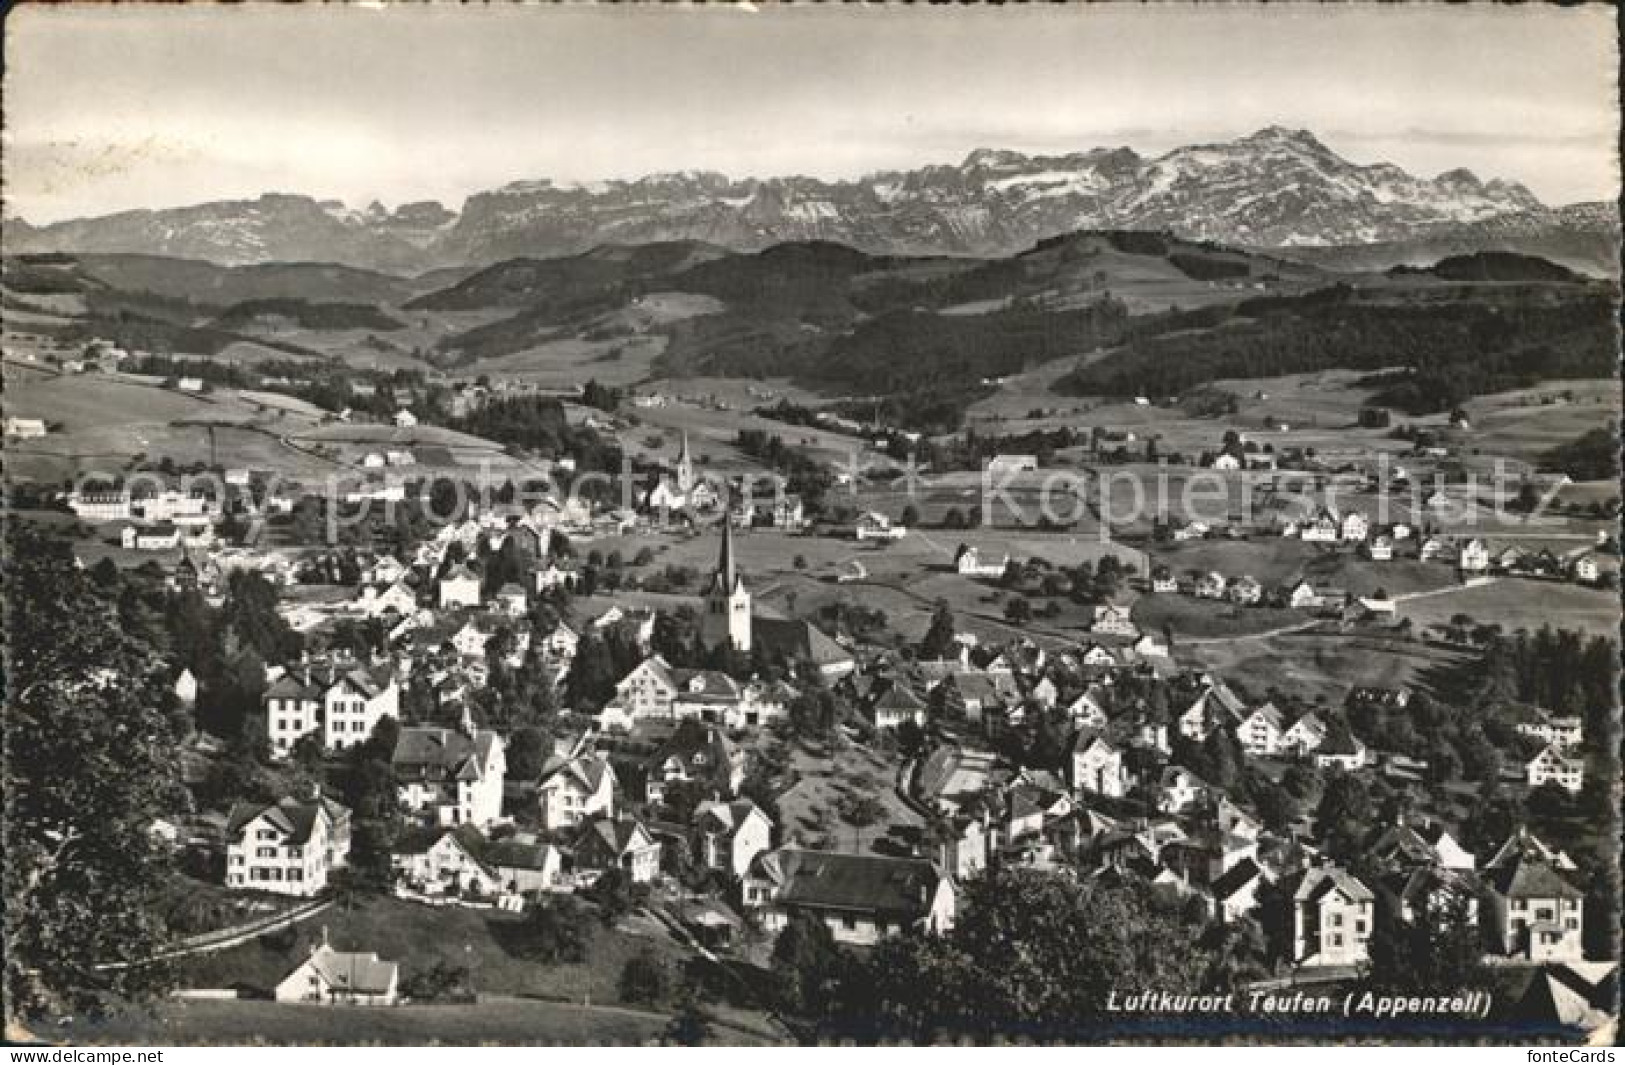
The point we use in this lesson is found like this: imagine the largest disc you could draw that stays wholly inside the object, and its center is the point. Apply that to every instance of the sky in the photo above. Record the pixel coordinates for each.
(117, 107)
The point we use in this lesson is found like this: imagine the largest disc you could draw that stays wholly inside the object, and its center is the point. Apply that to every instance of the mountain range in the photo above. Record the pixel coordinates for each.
(1277, 188)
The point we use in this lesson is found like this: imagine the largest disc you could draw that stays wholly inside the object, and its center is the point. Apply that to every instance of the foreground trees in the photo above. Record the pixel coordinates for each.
(89, 764)
(1034, 954)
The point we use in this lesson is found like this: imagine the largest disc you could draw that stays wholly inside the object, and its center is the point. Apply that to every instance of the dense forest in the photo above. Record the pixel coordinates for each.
(307, 315)
(1592, 456)
(1453, 348)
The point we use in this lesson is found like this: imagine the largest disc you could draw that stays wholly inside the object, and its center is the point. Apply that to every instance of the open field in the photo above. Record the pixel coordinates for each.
(419, 937)
(1187, 616)
(568, 361)
(507, 1021)
(1515, 603)
(1311, 664)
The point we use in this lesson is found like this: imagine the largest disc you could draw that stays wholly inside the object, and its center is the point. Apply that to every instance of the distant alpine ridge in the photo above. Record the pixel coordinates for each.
(1277, 188)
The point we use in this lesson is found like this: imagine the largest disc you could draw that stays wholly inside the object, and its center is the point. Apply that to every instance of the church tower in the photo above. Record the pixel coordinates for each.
(727, 600)
(685, 468)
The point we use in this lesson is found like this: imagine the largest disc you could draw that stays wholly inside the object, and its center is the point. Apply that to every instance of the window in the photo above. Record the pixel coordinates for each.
(1337, 920)
(1337, 940)
(1359, 928)
(265, 852)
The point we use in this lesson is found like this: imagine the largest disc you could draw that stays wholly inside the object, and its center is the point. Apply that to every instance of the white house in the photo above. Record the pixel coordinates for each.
(1113, 620)
(286, 848)
(459, 587)
(451, 776)
(861, 898)
(1552, 766)
(574, 789)
(1097, 766)
(438, 862)
(729, 835)
(1261, 731)
(337, 977)
(1474, 557)
(874, 525)
(1332, 918)
(968, 562)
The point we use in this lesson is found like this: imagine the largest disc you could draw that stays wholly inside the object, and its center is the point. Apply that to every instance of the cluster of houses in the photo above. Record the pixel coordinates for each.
(1122, 811)
(1119, 806)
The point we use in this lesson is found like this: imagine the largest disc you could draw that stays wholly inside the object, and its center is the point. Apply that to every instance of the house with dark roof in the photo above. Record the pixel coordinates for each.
(573, 788)
(523, 864)
(617, 843)
(729, 835)
(859, 897)
(1530, 911)
(800, 641)
(695, 752)
(289, 847)
(451, 776)
(442, 862)
(896, 705)
(1235, 891)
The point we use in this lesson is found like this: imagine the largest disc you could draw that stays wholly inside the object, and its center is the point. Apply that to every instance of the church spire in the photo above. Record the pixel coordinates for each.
(727, 575)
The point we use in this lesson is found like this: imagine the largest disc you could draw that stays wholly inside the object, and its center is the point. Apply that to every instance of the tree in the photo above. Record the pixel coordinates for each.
(1034, 952)
(590, 680)
(527, 751)
(910, 516)
(556, 930)
(808, 964)
(645, 978)
(939, 636)
(90, 762)
(1018, 610)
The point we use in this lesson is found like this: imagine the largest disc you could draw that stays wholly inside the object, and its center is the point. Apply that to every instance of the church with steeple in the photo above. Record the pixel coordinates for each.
(727, 600)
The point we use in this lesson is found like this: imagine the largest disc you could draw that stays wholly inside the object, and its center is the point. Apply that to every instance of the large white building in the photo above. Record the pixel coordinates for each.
(287, 848)
(452, 776)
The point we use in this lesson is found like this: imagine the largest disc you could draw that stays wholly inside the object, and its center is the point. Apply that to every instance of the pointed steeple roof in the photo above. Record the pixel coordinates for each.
(727, 575)
(682, 450)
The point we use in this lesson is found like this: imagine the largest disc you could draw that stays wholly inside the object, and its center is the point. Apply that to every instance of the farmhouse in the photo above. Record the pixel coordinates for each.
(25, 428)
(337, 977)
(1000, 465)
(876, 526)
(968, 562)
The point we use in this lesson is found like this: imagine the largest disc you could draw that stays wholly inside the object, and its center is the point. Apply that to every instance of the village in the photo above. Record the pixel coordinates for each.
(558, 697)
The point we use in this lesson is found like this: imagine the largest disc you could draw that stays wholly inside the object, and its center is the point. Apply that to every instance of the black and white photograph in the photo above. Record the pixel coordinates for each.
(842, 525)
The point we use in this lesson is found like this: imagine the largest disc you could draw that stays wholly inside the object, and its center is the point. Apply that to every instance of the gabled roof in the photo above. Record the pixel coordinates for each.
(1527, 879)
(796, 639)
(1235, 878)
(293, 818)
(725, 818)
(427, 753)
(614, 837)
(860, 883)
(459, 572)
(1324, 880)
(899, 699)
(361, 974)
(585, 772)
